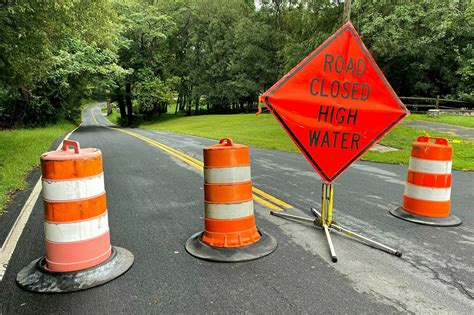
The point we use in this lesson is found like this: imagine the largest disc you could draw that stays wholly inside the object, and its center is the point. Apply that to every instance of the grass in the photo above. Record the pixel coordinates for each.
(20, 150)
(114, 117)
(264, 132)
(401, 137)
(465, 121)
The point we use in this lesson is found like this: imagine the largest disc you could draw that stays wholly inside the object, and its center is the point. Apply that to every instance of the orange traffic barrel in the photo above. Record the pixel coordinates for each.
(78, 251)
(230, 233)
(427, 197)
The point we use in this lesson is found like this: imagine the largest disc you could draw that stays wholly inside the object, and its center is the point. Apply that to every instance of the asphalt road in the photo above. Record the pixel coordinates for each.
(155, 203)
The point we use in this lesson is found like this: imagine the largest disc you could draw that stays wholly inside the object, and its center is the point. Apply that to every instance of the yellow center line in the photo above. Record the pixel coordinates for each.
(272, 198)
(199, 165)
(265, 203)
(179, 152)
(95, 119)
(254, 189)
(156, 144)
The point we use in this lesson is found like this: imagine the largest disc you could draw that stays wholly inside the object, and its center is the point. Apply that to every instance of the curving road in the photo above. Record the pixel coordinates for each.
(155, 203)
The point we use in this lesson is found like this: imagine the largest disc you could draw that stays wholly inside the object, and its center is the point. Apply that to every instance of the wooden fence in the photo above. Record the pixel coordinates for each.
(423, 104)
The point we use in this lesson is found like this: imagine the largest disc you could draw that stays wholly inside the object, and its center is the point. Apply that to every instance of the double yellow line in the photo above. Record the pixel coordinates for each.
(259, 196)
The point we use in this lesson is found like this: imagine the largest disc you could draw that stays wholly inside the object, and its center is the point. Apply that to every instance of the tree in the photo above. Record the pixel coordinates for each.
(144, 33)
(223, 53)
(48, 49)
(424, 48)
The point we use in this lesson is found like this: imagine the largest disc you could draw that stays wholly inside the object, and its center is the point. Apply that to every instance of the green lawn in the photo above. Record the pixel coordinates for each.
(401, 137)
(464, 121)
(20, 150)
(260, 131)
(114, 117)
(264, 132)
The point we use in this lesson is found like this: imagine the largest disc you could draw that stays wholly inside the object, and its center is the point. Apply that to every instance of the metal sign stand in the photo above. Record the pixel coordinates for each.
(324, 220)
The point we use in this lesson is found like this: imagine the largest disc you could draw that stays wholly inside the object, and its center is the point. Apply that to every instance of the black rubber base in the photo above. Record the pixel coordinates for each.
(263, 247)
(452, 220)
(36, 278)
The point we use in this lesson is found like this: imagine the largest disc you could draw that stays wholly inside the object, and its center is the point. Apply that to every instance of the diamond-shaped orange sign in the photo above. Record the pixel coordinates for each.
(335, 104)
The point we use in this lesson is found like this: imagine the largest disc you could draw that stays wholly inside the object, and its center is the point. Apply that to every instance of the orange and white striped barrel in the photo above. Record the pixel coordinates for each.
(230, 233)
(78, 251)
(427, 196)
(75, 211)
(229, 215)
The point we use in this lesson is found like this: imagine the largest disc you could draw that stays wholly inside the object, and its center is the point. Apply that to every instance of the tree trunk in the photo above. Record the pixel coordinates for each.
(188, 102)
(128, 101)
(196, 101)
(109, 108)
(185, 100)
(188, 105)
(177, 104)
(121, 104)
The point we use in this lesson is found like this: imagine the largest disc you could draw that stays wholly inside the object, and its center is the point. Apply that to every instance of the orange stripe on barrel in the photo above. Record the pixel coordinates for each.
(71, 169)
(430, 151)
(221, 155)
(427, 208)
(64, 257)
(230, 225)
(230, 233)
(429, 180)
(75, 210)
(228, 193)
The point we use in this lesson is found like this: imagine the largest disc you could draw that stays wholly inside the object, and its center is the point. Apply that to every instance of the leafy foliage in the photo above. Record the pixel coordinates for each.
(52, 54)
(222, 54)
(424, 48)
(153, 94)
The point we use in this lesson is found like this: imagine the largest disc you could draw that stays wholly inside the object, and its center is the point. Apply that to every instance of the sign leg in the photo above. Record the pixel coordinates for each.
(330, 200)
(316, 213)
(324, 220)
(291, 216)
(331, 247)
(327, 196)
(323, 216)
(366, 240)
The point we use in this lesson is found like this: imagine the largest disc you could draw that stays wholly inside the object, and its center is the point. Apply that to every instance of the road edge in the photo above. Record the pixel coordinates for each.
(9, 245)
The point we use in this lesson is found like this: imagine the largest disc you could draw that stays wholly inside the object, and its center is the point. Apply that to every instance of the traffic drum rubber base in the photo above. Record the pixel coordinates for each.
(36, 278)
(263, 247)
(452, 220)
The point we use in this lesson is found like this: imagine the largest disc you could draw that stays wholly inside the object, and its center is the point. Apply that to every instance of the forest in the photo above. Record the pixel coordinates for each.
(211, 56)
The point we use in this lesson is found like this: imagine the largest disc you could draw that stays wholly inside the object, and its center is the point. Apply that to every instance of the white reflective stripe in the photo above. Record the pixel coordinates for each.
(77, 231)
(228, 210)
(427, 193)
(227, 175)
(430, 166)
(64, 190)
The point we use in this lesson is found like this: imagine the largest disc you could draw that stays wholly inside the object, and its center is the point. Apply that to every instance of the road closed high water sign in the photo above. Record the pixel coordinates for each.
(335, 104)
